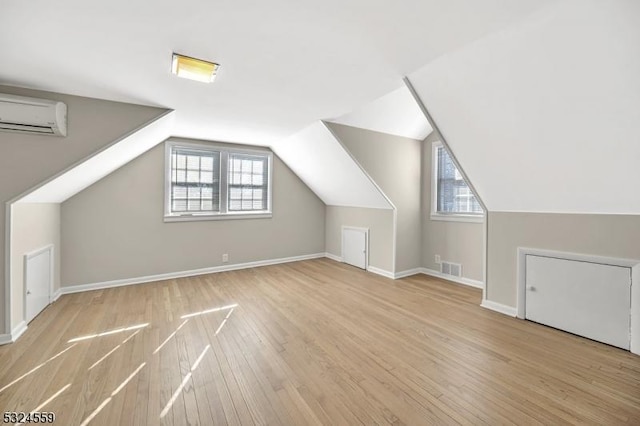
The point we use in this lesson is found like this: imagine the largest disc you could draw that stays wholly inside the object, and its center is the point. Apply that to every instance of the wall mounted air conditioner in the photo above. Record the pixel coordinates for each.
(33, 116)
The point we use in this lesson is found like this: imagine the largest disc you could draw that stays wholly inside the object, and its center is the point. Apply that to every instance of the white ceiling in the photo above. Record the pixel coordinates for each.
(321, 161)
(396, 113)
(285, 64)
(545, 116)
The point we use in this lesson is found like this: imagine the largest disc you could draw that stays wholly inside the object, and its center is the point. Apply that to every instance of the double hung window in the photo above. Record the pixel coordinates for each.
(452, 199)
(215, 182)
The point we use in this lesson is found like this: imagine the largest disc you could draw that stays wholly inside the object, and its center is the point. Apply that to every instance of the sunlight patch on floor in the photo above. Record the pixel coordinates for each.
(107, 333)
(175, 395)
(114, 393)
(36, 368)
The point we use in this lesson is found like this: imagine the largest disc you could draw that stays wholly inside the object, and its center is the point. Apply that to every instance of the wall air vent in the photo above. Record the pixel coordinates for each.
(33, 116)
(449, 268)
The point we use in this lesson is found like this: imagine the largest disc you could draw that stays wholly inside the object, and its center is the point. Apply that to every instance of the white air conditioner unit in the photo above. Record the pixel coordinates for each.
(31, 115)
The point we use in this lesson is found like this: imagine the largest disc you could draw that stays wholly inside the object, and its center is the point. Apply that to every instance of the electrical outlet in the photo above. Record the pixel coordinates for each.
(225, 258)
(438, 261)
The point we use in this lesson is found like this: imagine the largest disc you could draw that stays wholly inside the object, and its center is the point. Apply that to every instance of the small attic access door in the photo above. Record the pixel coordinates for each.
(38, 279)
(591, 296)
(355, 243)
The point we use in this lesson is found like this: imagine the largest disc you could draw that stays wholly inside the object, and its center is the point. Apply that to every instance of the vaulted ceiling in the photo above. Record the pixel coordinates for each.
(538, 99)
(284, 64)
(544, 116)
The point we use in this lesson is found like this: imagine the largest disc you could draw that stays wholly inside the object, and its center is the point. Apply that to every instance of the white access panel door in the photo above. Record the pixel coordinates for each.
(37, 279)
(588, 299)
(354, 246)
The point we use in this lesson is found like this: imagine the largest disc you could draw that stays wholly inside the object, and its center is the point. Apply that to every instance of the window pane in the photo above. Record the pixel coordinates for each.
(207, 163)
(453, 193)
(207, 205)
(195, 180)
(179, 192)
(207, 192)
(179, 205)
(206, 177)
(193, 162)
(193, 176)
(247, 182)
(193, 192)
(236, 178)
(258, 167)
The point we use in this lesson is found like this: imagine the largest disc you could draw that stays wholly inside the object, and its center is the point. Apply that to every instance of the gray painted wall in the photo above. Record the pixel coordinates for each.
(115, 230)
(34, 226)
(602, 235)
(380, 224)
(393, 162)
(27, 160)
(458, 242)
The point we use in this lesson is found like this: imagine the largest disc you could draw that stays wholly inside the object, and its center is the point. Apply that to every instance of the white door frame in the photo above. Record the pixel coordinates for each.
(366, 243)
(51, 249)
(626, 263)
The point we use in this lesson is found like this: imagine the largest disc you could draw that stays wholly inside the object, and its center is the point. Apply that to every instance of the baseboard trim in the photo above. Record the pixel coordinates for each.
(499, 307)
(56, 295)
(407, 273)
(333, 257)
(18, 331)
(15, 334)
(459, 280)
(183, 274)
(382, 272)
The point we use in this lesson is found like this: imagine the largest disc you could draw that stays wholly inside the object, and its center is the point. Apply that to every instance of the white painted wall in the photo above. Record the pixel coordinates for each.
(396, 113)
(545, 116)
(35, 225)
(327, 168)
(457, 242)
(28, 160)
(115, 228)
(393, 162)
(380, 225)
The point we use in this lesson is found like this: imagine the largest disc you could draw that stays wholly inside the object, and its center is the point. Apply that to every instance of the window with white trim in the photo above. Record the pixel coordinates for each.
(248, 182)
(452, 199)
(215, 182)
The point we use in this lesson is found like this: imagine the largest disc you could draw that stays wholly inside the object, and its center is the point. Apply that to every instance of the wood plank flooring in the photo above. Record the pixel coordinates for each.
(308, 343)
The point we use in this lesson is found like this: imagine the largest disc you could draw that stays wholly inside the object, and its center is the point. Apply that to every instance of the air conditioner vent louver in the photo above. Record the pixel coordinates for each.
(31, 115)
(449, 268)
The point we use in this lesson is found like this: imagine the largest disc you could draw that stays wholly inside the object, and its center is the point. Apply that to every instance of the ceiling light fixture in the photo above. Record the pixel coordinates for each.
(194, 69)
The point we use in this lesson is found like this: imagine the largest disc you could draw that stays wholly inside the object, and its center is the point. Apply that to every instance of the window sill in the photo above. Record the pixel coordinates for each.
(225, 216)
(458, 218)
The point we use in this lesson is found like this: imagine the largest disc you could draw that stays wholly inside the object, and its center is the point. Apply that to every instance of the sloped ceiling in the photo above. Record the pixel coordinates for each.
(87, 172)
(395, 113)
(285, 64)
(321, 161)
(545, 116)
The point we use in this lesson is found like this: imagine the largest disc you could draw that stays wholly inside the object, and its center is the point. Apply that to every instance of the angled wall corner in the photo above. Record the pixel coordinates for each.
(396, 113)
(325, 166)
(90, 170)
(28, 160)
(393, 162)
(552, 98)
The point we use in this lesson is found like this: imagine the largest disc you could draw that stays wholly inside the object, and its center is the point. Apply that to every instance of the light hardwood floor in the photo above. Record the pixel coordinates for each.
(313, 342)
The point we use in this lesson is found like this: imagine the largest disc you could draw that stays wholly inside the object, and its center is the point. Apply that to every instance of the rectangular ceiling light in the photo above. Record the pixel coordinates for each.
(194, 69)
